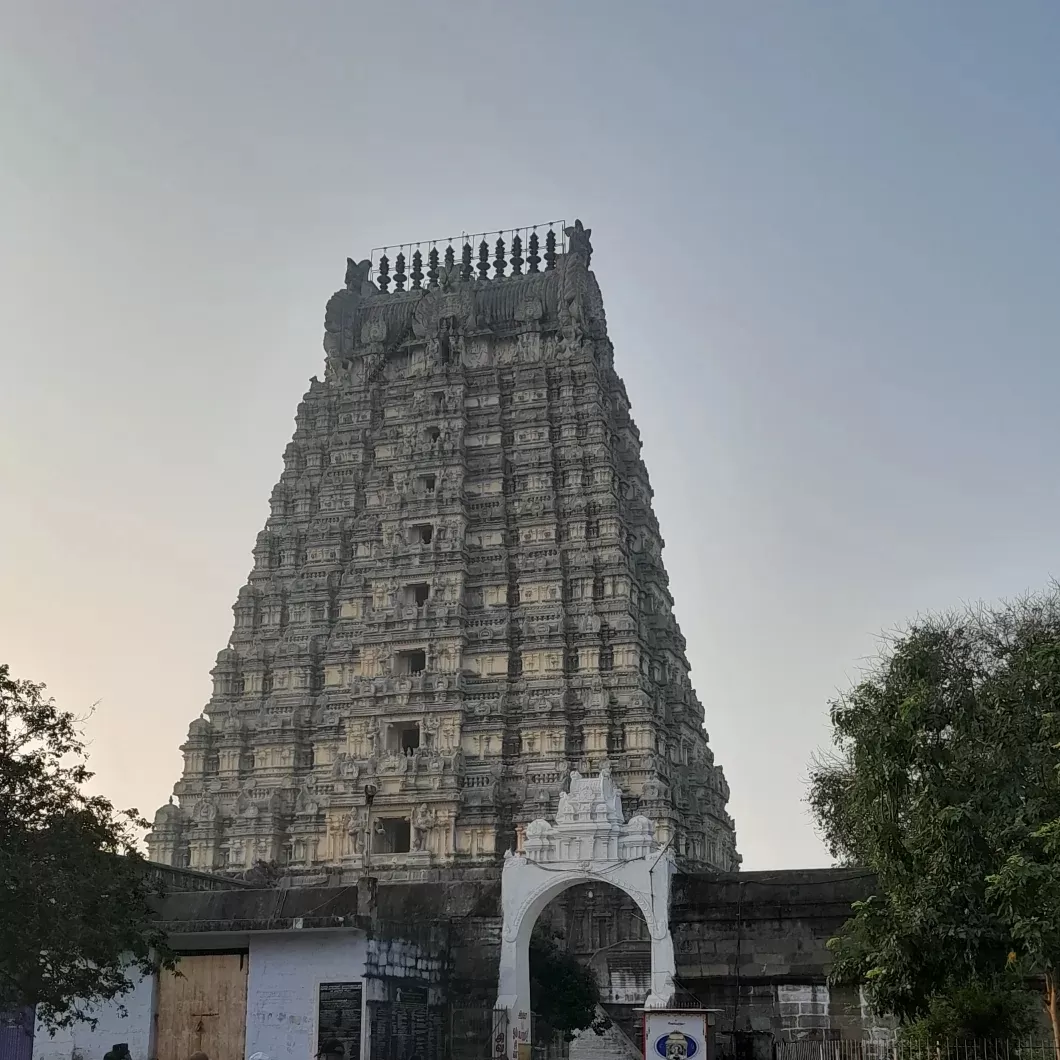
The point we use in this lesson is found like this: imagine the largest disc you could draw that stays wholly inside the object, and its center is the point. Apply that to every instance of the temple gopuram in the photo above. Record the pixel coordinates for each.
(458, 598)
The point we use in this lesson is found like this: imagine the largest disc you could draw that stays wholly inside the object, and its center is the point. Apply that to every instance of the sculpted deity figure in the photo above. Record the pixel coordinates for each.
(431, 725)
(422, 823)
(307, 801)
(394, 762)
(356, 826)
(449, 734)
(372, 736)
(345, 767)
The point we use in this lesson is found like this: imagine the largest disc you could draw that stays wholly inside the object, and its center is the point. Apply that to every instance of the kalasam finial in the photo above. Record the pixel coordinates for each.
(499, 262)
(533, 259)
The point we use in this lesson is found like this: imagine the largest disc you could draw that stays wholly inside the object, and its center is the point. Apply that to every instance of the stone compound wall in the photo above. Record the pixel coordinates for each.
(130, 1020)
(283, 983)
(406, 995)
(751, 946)
(402, 988)
(754, 947)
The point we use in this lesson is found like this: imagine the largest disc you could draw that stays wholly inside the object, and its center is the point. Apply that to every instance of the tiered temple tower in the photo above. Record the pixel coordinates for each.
(459, 595)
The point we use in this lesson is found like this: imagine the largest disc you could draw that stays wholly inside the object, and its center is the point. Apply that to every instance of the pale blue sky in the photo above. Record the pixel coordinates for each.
(828, 237)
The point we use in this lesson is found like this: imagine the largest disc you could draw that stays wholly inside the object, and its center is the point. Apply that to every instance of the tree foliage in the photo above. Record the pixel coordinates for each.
(75, 916)
(946, 782)
(563, 994)
(975, 1011)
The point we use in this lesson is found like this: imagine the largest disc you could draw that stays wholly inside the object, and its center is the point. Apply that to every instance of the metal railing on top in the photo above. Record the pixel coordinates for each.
(532, 248)
(899, 1049)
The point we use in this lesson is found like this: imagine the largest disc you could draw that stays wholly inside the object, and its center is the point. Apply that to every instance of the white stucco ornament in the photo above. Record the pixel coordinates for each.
(590, 841)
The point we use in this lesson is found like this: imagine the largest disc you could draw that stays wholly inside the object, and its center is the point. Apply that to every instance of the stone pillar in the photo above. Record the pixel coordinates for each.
(513, 994)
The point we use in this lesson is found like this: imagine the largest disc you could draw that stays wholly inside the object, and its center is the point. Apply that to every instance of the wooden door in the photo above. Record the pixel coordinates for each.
(203, 1008)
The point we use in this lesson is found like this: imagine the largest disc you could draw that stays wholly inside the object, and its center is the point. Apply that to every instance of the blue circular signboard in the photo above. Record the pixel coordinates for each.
(676, 1046)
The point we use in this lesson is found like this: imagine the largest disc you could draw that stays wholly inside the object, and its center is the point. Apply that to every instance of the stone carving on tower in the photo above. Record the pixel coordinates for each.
(458, 597)
(590, 826)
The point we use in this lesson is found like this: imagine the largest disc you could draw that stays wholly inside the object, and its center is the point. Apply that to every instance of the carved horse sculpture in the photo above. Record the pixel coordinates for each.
(578, 244)
(357, 274)
(575, 280)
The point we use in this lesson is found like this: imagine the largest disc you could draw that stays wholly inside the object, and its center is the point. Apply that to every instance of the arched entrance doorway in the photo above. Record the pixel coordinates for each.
(589, 841)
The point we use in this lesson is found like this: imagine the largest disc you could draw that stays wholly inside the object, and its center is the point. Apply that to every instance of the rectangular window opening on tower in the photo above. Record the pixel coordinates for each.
(417, 594)
(411, 662)
(427, 483)
(422, 533)
(403, 737)
(393, 835)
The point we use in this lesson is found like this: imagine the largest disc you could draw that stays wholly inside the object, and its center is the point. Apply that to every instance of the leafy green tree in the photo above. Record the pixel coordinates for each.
(945, 781)
(1026, 891)
(974, 1011)
(563, 994)
(75, 916)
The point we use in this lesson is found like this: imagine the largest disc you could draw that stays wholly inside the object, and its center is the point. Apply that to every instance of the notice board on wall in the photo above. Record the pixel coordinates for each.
(339, 1016)
(405, 1025)
(676, 1034)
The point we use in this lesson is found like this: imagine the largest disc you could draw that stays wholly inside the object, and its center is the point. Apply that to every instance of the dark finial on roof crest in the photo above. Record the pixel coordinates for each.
(533, 259)
(499, 262)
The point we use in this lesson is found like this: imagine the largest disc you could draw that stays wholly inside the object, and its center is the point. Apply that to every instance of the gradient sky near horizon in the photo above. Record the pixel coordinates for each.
(828, 238)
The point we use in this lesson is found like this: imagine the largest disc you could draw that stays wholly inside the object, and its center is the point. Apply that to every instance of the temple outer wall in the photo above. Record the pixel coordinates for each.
(751, 946)
(283, 984)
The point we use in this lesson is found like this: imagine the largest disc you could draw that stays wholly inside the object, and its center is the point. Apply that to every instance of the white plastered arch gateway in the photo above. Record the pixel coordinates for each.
(590, 842)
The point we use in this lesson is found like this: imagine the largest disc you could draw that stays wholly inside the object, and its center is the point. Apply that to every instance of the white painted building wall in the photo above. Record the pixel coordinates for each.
(283, 984)
(80, 1042)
